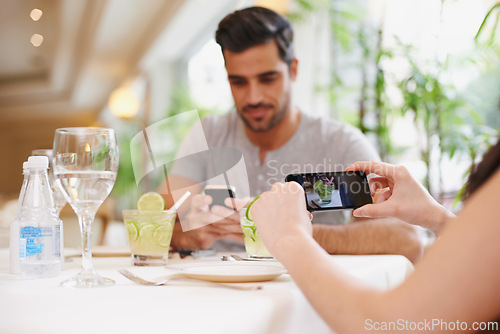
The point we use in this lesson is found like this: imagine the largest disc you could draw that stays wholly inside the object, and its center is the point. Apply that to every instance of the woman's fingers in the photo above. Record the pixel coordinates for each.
(377, 183)
(373, 211)
(382, 195)
(379, 168)
(240, 203)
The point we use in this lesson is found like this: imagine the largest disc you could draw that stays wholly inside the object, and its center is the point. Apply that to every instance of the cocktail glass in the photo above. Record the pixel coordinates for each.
(254, 246)
(149, 235)
(325, 193)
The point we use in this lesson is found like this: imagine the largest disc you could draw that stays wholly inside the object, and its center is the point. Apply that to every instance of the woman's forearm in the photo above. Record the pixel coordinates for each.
(339, 298)
(436, 218)
(454, 282)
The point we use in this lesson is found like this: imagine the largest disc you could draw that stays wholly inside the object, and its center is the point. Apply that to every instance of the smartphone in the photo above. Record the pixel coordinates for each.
(333, 190)
(219, 193)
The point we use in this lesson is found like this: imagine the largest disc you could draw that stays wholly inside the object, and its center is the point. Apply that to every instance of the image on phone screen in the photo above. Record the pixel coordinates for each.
(334, 190)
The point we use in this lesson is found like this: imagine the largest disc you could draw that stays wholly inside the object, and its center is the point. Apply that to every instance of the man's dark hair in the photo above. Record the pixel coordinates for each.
(253, 26)
(484, 170)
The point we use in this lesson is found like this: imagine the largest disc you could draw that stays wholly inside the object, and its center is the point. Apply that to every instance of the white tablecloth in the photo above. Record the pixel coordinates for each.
(42, 306)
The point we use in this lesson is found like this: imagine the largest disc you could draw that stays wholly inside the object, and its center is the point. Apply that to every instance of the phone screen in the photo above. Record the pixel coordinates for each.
(219, 194)
(334, 190)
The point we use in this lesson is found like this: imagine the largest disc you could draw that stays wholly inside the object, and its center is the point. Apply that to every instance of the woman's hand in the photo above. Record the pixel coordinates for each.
(397, 194)
(280, 216)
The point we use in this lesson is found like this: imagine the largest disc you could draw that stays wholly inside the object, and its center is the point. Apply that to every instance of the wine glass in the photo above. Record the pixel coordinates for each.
(59, 199)
(86, 163)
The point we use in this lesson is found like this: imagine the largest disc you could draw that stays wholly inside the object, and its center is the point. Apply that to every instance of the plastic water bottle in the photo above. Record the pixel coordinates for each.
(14, 227)
(40, 253)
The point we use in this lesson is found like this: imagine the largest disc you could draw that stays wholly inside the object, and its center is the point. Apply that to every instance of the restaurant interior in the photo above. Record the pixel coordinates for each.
(420, 79)
(127, 64)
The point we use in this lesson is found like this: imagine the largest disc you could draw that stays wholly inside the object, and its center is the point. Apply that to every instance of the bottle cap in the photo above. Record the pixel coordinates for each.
(26, 167)
(38, 162)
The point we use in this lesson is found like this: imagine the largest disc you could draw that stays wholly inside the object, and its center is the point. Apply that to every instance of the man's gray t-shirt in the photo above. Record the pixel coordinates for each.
(318, 145)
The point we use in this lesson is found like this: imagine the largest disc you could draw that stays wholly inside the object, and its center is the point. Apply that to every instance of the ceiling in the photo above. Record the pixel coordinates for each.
(90, 47)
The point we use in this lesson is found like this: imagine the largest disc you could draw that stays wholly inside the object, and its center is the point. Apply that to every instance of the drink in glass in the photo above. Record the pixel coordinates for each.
(149, 234)
(324, 188)
(325, 193)
(86, 163)
(253, 243)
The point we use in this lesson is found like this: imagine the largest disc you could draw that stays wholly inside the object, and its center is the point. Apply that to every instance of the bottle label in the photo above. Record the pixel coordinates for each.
(31, 240)
(57, 242)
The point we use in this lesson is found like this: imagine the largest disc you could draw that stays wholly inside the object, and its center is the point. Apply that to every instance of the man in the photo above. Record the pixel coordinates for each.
(275, 139)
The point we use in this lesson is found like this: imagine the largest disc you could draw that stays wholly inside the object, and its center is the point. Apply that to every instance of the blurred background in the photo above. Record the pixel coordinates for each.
(420, 78)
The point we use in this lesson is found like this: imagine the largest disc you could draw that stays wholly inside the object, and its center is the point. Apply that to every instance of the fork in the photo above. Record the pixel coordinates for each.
(140, 280)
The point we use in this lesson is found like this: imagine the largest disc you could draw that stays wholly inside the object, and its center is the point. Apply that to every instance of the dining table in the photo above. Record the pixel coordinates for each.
(182, 305)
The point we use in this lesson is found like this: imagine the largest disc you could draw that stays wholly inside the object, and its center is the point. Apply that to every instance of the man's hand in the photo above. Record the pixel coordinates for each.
(204, 225)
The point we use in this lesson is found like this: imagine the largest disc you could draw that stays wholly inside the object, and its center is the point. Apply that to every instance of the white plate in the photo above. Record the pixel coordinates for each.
(230, 272)
(257, 259)
(260, 258)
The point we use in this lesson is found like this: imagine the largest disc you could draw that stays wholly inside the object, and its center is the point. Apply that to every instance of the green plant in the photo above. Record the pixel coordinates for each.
(373, 93)
(449, 125)
(482, 27)
(434, 107)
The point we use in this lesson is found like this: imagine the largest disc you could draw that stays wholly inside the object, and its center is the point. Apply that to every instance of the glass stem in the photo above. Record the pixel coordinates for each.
(86, 221)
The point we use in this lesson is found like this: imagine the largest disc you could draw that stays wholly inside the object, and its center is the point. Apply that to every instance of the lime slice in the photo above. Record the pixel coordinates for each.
(146, 232)
(162, 235)
(247, 232)
(247, 213)
(151, 201)
(132, 231)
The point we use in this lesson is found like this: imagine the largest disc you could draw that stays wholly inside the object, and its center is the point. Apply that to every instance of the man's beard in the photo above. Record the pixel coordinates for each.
(272, 122)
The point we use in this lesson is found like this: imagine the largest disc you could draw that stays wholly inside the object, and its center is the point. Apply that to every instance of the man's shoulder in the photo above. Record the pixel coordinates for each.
(341, 139)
